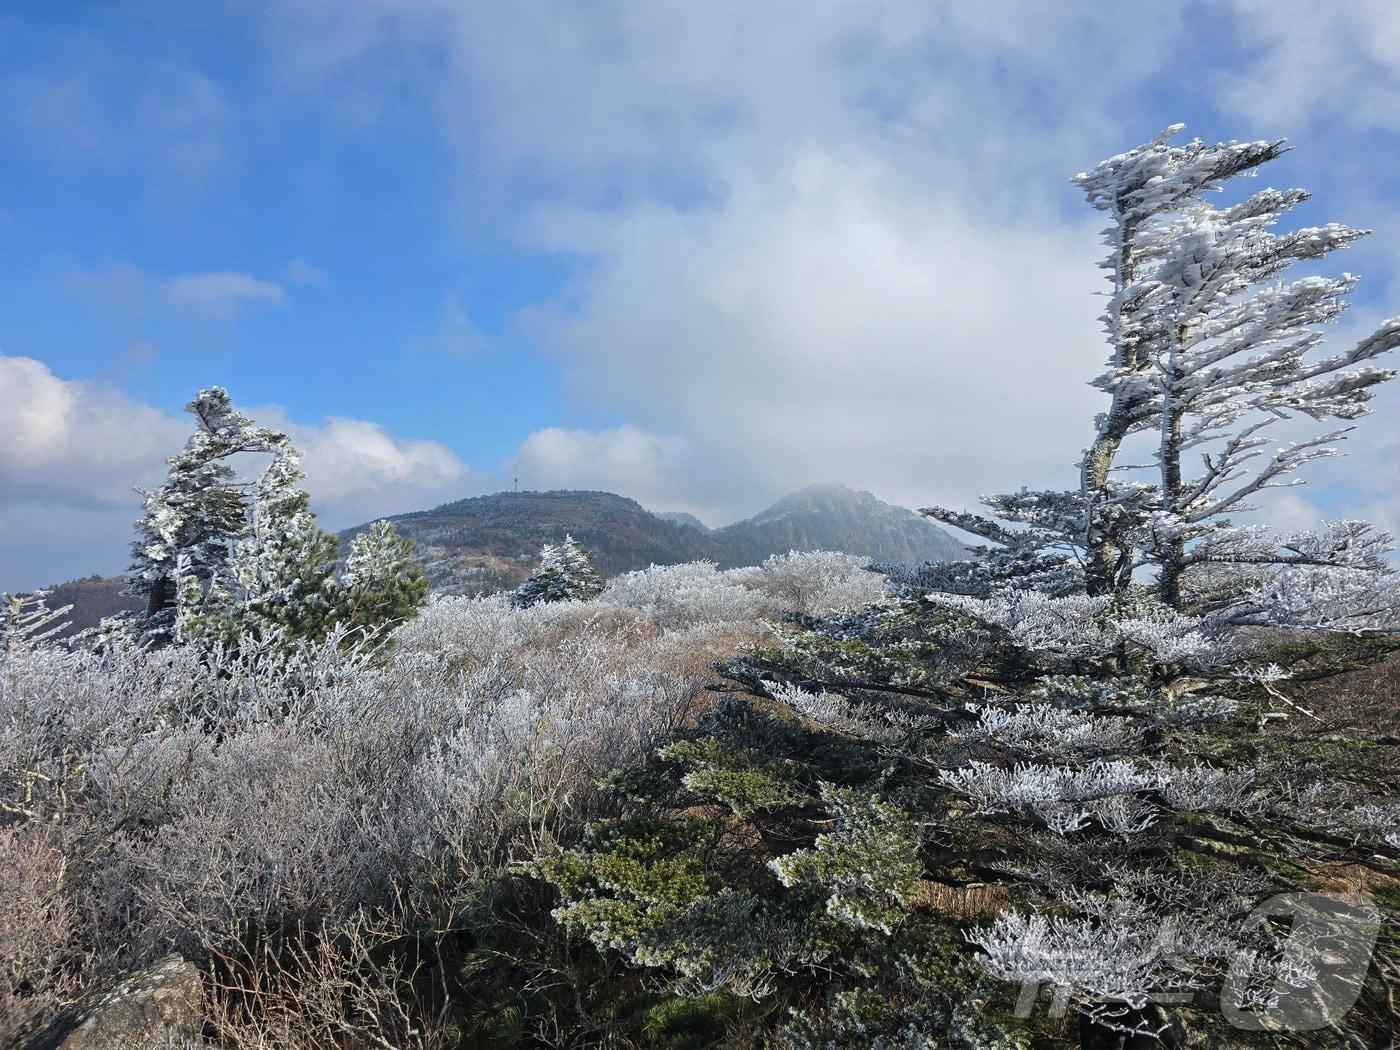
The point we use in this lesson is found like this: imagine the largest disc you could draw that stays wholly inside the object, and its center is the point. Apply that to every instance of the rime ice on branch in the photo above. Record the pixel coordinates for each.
(1210, 350)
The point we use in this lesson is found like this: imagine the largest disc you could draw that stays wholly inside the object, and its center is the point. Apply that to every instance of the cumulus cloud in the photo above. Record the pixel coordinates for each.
(76, 443)
(71, 454)
(76, 450)
(649, 467)
(826, 325)
(357, 470)
(221, 293)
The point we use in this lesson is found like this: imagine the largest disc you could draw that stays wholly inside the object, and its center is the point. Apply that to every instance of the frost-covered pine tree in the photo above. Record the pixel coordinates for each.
(220, 556)
(1211, 350)
(565, 574)
(189, 527)
(381, 584)
(283, 573)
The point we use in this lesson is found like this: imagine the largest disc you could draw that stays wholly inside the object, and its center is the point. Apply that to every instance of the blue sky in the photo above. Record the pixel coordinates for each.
(696, 254)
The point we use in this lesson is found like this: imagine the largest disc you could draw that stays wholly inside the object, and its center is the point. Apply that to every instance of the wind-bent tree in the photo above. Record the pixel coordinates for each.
(186, 536)
(219, 556)
(1209, 351)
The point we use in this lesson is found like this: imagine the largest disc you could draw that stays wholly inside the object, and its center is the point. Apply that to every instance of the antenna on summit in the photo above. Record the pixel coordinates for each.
(517, 485)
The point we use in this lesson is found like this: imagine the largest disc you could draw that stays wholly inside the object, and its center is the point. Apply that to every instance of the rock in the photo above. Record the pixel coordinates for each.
(160, 1006)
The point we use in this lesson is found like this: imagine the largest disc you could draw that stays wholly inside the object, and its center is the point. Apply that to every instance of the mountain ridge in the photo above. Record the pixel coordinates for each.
(483, 544)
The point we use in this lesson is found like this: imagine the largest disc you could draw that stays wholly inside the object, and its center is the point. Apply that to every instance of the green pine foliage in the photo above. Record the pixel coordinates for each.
(887, 794)
(565, 574)
(382, 585)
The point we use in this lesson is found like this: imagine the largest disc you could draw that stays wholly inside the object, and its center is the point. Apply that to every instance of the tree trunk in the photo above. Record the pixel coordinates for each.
(1171, 552)
(1169, 580)
(1103, 550)
(161, 596)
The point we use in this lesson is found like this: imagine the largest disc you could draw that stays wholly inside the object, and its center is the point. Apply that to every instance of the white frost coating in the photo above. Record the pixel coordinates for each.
(1049, 731)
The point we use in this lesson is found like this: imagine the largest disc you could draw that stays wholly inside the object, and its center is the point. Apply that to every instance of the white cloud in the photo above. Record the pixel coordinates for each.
(76, 443)
(74, 451)
(828, 324)
(650, 468)
(357, 470)
(221, 293)
(133, 295)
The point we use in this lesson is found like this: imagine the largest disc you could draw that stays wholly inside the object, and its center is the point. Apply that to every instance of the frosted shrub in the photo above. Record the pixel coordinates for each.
(37, 927)
(819, 581)
(213, 798)
(1080, 626)
(697, 592)
(686, 595)
(1044, 729)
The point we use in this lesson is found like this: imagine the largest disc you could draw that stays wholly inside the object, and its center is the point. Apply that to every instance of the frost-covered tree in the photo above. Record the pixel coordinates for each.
(282, 574)
(220, 556)
(190, 525)
(1211, 349)
(382, 586)
(565, 574)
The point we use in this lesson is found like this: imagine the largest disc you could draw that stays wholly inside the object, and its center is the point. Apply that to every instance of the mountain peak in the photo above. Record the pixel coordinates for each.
(823, 495)
(832, 516)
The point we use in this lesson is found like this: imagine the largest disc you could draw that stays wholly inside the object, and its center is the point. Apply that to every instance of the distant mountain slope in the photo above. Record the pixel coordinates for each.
(836, 518)
(92, 598)
(491, 543)
(680, 517)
